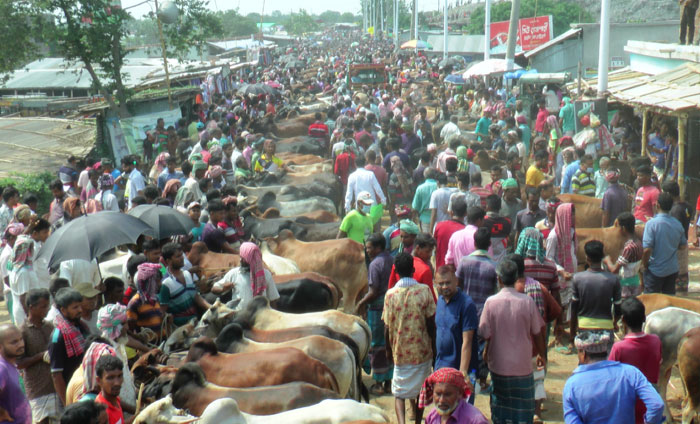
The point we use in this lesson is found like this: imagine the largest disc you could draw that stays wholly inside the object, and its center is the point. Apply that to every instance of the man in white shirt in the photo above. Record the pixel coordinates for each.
(239, 144)
(362, 180)
(248, 280)
(450, 130)
(106, 197)
(78, 271)
(135, 184)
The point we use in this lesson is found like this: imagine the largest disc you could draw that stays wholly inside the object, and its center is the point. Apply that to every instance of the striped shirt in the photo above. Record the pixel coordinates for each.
(545, 273)
(477, 273)
(583, 183)
(179, 298)
(144, 314)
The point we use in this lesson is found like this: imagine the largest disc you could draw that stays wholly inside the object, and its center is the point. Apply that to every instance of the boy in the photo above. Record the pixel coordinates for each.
(630, 259)
(110, 378)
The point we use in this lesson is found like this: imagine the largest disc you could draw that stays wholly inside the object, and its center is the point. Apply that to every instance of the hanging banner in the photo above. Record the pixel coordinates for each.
(532, 32)
(128, 134)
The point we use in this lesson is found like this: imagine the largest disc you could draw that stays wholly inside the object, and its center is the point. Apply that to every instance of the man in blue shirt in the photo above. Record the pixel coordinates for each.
(663, 236)
(604, 392)
(482, 126)
(657, 147)
(570, 171)
(456, 323)
(170, 173)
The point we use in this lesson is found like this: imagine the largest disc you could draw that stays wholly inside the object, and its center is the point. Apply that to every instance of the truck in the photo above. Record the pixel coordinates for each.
(369, 74)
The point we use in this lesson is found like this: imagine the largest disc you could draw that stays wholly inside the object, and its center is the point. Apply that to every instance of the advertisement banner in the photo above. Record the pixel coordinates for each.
(532, 32)
(128, 134)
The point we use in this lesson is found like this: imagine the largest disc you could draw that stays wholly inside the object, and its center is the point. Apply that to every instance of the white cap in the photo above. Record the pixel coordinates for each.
(365, 198)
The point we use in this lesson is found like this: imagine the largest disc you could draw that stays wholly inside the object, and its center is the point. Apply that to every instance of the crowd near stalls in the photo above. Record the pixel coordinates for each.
(313, 224)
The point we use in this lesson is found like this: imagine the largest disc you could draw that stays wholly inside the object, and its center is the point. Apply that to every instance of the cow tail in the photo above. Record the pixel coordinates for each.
(368, 333)
(332, 381)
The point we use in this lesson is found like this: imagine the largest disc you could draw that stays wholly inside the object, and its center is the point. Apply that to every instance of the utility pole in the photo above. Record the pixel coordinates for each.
(444, 29)
(415, 26)
(487, 30)
(604, 47)
(512, 34)
(396, 25)
(364, 17)
(381, 15)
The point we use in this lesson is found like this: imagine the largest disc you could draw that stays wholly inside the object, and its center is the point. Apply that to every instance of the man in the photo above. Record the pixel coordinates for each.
(596, 293)
(319, 130)
(567, 117)
(67, 344)
(135, 182)
(630, 259)
(456, 323)
(640, 350)
(531, 215)
(409, 139)
(683, 212)
(663, 237)
(646, 196)
(344, 163)
(451, 130)
(394, 145)
(462, 242)
(448, 388)
(658, 149)
(444, 230)
(212, 234)
(178, 295)
(143, 309)
(477, 271)
(511, 203)
(423, 270)
(582, 181)
(359, 223)
(14, 406)
(110, 377)
(378, 284)
(449, 152)
(511, 323)
(500, 227)
(169, 173)
(421, 199)
(472, 199)
(536, 172)
(56, 205)
(482, 126)
(531, 247)
(363, 180)
(615, 199)
(602, 391)
(248, 280)
(570, 170)
(23, 276)
(600, 177)
(36, 334)
(268, 162)
(477, 189)
(410, 308)
(239, 146)
(440, 201)
(689, 9)
(10, 197)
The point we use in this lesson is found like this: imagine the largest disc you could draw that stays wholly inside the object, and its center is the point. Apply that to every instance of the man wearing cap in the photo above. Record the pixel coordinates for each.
(511, 203)
(359, 223)
(362, 180)
(448, 388)
(604, 391)
(615, 199)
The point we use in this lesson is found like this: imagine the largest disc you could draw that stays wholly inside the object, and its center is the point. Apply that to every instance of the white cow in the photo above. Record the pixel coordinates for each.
(670, 324)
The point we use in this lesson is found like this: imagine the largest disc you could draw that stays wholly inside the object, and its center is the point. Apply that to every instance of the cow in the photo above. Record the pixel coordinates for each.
(330, 287)
(312, 169)
(295, 127)
(262, 368)
(342, 260)
(670, 324)
(302, 228)
(314, 217)
(211, 263)
(191, 391)
(295, 207)
(655, 301)
(259, 315)
(299, 159)
(338, 411)
(302, 295)
(334, 354)
(689, 368)
(611, 237)
(162, 411)
(588, 212)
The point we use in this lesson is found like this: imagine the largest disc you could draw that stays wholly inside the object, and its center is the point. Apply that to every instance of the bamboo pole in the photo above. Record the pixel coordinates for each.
(682, 124)
(645, 131)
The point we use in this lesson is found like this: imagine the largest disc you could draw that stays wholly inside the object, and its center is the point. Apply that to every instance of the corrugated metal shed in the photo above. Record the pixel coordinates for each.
(565, 36)
(614, 78)
(675, 90)
(458, 43)
(42, 144)
(244, 43)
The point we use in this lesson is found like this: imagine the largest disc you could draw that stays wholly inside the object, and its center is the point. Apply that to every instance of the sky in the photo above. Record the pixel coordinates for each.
(285, 6)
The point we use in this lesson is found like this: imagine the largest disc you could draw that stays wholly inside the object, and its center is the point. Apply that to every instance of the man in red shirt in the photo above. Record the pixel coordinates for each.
(318, 129)
(344, 165)
(422, 270)
(444, 229)
(637, 349)
(480, 191)
(646, 196)
(110, 378)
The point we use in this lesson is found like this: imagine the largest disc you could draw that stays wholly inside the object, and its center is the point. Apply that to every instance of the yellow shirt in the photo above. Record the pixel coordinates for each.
(266, 164)
(534, 176)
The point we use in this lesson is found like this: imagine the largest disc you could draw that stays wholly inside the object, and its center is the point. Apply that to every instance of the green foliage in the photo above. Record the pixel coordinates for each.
(18, 47)
(348, 18)
(563, 13)
(196, 24)
(235, 25)
(330, 17)
(300, 23)
(32, 183)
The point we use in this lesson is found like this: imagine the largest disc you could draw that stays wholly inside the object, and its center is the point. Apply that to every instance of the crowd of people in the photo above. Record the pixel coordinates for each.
(466, 285)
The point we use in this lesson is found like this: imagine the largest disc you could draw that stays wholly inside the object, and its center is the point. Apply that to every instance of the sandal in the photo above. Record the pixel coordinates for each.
(377, 389)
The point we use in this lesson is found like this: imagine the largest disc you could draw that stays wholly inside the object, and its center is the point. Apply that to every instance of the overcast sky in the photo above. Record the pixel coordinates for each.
(284, 6)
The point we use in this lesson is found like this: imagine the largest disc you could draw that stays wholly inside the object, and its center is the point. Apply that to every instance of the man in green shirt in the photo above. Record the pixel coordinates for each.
(567, 119)
(359, 223)
(421, 200)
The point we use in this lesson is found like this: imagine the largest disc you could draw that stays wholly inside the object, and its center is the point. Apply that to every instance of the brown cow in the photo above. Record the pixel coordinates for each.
(689, 368)
(588, 213)
(294, 127)
(342, 260)
(318, 217)
(211, 263)
(266, 368)
(612, 238)
(299, 159)
(655, 301)
(192, 392)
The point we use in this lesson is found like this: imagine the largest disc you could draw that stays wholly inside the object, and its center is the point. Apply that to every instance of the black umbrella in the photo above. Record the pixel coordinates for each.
(256, 89)
(90, 236)
(450, 61)
(163, 220)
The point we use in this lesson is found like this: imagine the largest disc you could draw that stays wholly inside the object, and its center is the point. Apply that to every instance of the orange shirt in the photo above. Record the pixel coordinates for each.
(422, 272)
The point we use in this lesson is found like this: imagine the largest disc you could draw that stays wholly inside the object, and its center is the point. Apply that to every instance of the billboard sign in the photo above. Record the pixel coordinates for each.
(532, 32)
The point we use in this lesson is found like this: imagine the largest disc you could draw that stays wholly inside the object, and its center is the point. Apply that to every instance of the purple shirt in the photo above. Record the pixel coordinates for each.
(464, 414)
(477, 273)
(614, 202)
(12, 399)
(379, 272)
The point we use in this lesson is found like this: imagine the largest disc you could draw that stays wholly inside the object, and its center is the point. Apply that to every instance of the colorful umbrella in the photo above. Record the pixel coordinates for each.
(416, 44)
(488, 67)
(455, 79)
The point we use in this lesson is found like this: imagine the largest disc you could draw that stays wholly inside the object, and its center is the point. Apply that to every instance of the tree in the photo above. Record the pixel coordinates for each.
(330, 17)
(18, 47)
(348, 18)
(195, 24)
(300, 23)
(563, 12)
(235, 25)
